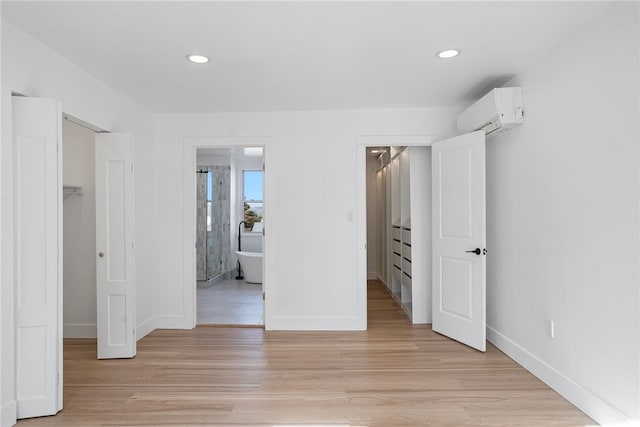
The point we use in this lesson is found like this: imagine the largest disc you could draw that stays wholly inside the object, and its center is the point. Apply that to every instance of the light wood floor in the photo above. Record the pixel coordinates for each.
(394, 374)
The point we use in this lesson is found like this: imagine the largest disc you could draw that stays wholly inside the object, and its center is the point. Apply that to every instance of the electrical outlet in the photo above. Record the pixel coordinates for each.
(550, 328)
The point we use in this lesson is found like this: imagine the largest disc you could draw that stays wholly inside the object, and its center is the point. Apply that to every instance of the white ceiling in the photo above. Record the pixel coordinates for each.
(300, 55)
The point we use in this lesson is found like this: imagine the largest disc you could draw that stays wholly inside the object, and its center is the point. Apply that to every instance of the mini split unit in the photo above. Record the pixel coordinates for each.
(498, 110)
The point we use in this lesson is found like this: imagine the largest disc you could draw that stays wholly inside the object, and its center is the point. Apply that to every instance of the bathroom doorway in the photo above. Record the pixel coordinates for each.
(229, 240)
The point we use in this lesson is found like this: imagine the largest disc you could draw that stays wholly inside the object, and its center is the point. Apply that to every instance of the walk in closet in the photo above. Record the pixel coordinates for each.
(403, 227)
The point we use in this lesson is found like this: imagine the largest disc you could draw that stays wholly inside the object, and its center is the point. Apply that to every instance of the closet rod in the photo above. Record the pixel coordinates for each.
(83, 124)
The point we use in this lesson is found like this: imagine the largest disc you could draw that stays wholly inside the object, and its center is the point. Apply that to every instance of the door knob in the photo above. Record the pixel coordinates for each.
(476, 251)
(100, 254)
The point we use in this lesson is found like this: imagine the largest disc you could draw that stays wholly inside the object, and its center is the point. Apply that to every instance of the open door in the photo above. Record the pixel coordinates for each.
(114, 246)
(459, 239)
(38, 255)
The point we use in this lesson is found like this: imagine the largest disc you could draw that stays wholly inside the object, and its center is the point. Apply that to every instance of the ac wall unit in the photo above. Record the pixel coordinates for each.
(498, 110)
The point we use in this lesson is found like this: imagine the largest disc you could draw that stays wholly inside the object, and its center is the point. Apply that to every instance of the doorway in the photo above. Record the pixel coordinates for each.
(229, 224)
(436, 232)
(398, 191)
(79, 231)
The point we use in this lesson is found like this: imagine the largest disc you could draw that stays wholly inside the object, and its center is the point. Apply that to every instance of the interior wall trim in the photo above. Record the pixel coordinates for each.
(583, 399)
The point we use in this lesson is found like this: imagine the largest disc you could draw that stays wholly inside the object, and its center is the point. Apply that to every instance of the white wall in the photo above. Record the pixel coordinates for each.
(79, 232)
(31, 68)
(373, 233)
(310, 180)
(382, 224)
(7, 409)
(563, 220)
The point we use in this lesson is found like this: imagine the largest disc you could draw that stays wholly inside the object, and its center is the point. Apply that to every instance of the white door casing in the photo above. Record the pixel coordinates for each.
(115, 246)
(38, 255)
(190, 147)
(459, 276)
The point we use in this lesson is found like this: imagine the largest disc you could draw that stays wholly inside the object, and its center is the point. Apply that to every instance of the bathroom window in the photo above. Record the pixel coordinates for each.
(252, 183)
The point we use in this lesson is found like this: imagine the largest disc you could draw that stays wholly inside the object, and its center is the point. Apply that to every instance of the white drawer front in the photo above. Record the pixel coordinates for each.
(406, 281)
(396, 260)
(396, 233)
(406, 266)
(396, 247)
(396, 272)
(406, 236)
(406, 252)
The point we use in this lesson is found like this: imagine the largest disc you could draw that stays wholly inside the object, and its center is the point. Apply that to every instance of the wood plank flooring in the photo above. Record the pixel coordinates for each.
(394, 374)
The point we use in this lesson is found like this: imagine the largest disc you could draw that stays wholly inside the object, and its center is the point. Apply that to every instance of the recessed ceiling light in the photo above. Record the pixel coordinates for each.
(448, 53)
(198, 59)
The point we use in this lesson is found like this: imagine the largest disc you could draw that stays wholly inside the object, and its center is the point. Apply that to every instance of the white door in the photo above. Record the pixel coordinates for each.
(459, 239)
(38, 255)
(114, 246)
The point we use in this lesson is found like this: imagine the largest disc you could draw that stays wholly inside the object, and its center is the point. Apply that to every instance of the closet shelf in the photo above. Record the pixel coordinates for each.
(71, 190)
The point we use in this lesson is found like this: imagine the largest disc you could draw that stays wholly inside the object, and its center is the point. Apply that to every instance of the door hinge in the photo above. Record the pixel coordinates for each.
(263, 167)
(263, 296)
(132, 245)
(131, 168)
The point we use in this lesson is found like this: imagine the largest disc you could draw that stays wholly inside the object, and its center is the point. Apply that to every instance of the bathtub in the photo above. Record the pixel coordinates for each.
(251, 263)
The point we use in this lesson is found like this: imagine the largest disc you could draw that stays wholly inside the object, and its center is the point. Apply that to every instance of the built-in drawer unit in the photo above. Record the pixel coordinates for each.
(406, 235)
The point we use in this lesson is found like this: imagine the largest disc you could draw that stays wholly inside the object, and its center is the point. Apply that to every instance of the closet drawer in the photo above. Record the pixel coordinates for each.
(396, 260)
(406, 281)
(396, 234)
(396, 273)
(406, 236)
(406, 266)
(396, 247)
(406, 252)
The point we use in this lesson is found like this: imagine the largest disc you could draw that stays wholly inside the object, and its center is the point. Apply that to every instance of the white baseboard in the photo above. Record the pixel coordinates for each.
(587, 402)
(381, 279)
(172, 322)
(79, 330)
(145, 328)
(8, 413)
(315, 324)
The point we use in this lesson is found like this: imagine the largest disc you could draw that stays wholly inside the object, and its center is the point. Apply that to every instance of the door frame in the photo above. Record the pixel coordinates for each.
(362, 142)
(190, 147)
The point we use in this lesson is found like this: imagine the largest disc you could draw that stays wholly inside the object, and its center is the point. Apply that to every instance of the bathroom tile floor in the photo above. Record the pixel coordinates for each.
(230, 302)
